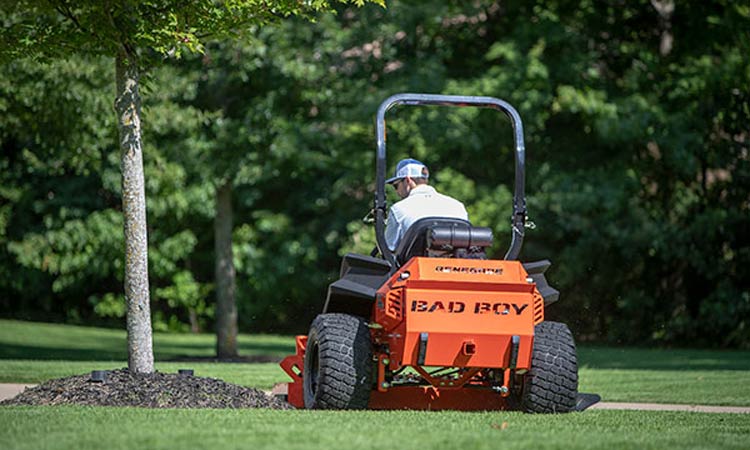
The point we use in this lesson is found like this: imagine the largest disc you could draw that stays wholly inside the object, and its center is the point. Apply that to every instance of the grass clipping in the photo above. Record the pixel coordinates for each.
(154, 390)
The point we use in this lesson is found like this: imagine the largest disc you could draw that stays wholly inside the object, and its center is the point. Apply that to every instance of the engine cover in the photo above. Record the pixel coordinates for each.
(447, 312)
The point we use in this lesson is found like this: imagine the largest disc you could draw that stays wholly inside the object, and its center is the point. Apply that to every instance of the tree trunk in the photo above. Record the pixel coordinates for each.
(195, 326)
(128, 109)
(665, 8)
(226, 309)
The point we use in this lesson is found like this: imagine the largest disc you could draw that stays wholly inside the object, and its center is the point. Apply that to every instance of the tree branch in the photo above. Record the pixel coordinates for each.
(63, 9)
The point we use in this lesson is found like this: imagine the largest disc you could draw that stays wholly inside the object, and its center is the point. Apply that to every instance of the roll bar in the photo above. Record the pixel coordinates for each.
(518, 219)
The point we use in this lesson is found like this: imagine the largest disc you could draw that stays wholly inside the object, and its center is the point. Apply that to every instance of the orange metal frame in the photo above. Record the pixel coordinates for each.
(473, 316)
(293, 365)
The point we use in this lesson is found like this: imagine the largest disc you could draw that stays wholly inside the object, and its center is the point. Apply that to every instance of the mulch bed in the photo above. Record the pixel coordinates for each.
(155, 390)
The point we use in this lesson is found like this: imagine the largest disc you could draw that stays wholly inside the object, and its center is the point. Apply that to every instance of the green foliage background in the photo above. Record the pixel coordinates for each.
(638, 168)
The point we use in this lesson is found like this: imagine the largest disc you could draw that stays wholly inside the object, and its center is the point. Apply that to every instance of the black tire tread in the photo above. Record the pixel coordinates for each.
(345, 362)
(551, 386)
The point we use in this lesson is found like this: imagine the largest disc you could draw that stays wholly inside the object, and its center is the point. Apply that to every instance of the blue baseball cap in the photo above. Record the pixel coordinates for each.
(409, 168)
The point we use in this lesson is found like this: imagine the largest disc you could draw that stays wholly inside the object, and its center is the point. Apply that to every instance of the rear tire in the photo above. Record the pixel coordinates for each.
(551, 386)
(338, 364)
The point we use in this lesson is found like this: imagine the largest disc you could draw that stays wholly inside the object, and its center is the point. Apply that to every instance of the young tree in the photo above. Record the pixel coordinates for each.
(136, 34)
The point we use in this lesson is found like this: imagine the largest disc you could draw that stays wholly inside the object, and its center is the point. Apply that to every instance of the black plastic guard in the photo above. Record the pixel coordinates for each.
(361, 277)
(584, 401)
(536, 271)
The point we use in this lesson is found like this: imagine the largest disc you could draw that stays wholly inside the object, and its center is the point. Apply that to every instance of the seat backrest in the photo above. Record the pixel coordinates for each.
(449, 238)
(414, 242)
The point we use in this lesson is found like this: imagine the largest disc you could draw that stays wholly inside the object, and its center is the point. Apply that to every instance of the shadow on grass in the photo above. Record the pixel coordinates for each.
(256, 352)
(15, 351)
(168, 349)
(662, 359)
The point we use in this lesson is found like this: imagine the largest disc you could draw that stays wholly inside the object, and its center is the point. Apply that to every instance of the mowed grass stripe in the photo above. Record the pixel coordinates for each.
(128, 428)
(694, 387)
(33, 340)
(687, 387)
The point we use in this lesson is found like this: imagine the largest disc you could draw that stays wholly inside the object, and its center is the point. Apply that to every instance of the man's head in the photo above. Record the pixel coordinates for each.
(409, 173)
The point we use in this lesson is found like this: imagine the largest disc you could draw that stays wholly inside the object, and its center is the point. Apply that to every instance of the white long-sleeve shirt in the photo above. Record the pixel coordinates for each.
(423, 201)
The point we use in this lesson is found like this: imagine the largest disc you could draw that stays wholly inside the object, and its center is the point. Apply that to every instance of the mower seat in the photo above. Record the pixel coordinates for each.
(445, 237)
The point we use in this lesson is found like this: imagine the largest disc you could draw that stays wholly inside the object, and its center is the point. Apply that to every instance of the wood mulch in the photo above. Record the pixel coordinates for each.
(155, 390)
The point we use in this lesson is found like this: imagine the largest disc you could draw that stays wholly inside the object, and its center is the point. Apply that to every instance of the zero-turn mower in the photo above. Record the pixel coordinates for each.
(434, 324)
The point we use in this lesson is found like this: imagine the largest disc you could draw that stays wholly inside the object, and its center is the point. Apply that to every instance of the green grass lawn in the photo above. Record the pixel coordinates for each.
(129, 428)
(707, 377)
(34, 352)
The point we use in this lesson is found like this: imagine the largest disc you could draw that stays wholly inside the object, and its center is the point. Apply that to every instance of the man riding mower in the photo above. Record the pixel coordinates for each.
(432, 323)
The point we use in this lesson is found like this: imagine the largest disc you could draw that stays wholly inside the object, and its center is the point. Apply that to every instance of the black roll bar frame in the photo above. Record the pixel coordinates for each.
(518, 219)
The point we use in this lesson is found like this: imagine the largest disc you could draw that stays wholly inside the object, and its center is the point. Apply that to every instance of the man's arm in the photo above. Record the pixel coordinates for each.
(393, 229)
